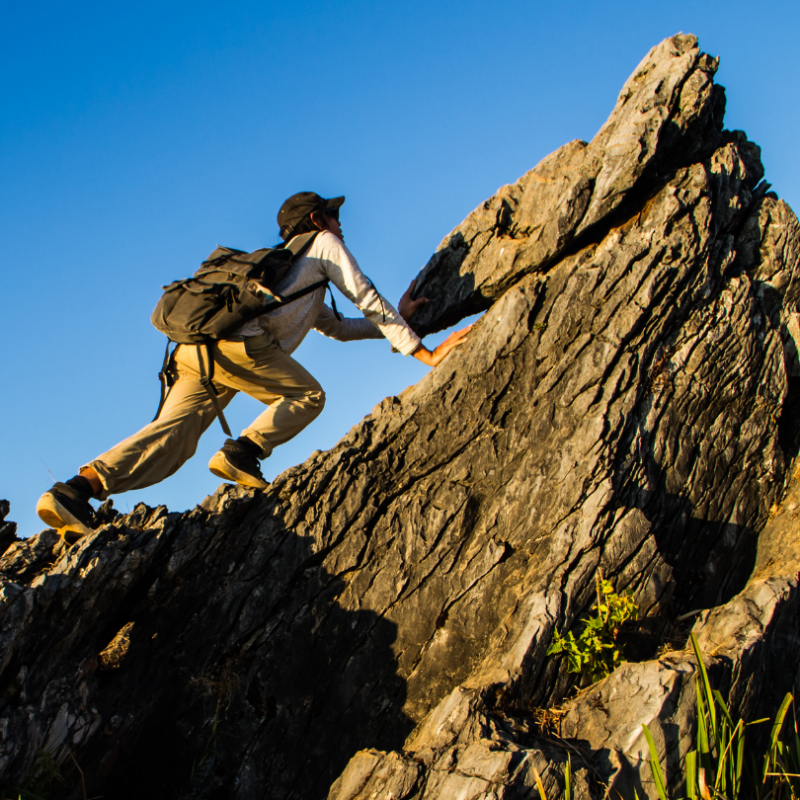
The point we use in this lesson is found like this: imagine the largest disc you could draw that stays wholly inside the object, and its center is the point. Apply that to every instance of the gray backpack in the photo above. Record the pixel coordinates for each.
(230, 288)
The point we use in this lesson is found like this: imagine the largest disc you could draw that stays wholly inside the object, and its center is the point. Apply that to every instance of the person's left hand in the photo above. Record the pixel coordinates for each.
(433, 358)
(408, 307)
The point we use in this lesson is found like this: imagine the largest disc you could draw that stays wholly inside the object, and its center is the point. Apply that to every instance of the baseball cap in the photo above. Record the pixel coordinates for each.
(301, 205)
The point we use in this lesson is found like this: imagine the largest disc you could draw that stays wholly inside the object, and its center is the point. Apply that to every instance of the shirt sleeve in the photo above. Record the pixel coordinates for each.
(345, 274)
(346, 329)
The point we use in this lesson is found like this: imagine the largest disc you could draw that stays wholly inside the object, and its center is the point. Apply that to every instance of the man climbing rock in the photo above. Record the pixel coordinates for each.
(255, 359)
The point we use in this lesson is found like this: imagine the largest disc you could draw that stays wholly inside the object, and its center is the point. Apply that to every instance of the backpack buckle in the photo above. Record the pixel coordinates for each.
(167, 377)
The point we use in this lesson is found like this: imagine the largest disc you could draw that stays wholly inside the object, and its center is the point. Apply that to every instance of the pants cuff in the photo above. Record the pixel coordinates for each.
(257, 438)
(105, 479)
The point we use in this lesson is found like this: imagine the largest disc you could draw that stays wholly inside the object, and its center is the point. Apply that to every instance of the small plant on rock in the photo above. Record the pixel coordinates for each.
(596, 652)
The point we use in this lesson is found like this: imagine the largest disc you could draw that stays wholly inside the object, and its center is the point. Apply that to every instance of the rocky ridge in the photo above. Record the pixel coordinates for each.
(376, 625)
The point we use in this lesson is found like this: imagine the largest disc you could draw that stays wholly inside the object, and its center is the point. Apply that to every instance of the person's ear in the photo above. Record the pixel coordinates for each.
(318, 218)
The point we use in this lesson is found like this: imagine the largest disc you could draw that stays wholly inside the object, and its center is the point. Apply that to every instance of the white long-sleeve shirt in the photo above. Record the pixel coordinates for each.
(328, 258)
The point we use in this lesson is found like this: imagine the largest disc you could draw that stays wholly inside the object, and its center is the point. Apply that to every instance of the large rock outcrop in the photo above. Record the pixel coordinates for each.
(376, 625)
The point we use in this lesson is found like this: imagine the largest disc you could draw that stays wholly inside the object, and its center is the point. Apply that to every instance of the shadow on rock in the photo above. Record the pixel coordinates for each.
(451, 294)
(710, 561)
(228, 669)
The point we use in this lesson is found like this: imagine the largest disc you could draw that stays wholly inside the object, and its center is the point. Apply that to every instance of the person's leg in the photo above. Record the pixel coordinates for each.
(149, 456)
(258, 367)
(159, 449)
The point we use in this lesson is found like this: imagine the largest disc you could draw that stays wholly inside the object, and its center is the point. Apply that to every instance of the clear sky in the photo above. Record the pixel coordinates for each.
(137, 136)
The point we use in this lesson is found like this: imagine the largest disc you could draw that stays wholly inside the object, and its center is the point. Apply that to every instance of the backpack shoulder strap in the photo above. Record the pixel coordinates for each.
(300, 244)
(207, 381)
(166, 379)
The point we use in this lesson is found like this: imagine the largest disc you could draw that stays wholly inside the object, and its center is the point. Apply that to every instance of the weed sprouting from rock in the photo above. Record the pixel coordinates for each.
(596, 652)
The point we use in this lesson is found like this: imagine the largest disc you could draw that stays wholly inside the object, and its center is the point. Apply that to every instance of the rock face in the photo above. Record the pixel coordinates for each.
(669, 115)
(8, 530)
(376, 625)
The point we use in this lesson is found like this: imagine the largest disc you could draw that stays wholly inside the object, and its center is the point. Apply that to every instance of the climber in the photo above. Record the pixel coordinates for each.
(256, 359)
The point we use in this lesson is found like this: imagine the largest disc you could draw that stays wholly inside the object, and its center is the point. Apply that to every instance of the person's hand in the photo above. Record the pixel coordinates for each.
(408, 307)
(435, 357)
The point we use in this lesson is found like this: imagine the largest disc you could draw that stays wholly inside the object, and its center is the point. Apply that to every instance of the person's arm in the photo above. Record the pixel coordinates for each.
(407, 307)
(345, 329)
(434, 357)
(343, 271)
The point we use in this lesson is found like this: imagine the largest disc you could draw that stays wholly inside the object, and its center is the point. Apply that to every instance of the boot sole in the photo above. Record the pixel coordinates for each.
(223, 468)
(52, 513)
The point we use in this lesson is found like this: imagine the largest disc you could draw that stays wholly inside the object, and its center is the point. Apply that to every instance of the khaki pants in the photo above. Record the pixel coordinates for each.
(256, 366)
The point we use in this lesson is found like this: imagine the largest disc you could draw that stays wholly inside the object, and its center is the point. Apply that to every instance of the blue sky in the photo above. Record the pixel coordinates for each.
(138, 136)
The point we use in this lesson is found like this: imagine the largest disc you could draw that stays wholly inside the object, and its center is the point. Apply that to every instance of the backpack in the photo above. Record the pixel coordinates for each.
(230, 288)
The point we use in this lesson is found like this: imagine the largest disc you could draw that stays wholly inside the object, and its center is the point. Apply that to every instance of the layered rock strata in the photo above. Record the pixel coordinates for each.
(376, 625)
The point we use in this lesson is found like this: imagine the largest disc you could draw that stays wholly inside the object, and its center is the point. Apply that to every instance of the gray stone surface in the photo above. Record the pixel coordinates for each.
(376, 624)
(463, 750)
(8, 529)
(668, 114)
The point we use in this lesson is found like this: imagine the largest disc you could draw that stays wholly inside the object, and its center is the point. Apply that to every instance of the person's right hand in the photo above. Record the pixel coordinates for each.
(408, 307)
(435, 357)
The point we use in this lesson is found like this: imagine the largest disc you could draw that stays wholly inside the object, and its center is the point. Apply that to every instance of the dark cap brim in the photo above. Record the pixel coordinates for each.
(334, 202)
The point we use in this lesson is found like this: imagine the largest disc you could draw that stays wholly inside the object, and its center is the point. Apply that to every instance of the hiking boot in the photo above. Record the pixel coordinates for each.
(68, 511)
(238, 462)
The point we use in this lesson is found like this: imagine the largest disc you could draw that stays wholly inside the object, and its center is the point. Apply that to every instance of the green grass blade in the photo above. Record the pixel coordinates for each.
(770, 755)
(655, 767)
(779, 718)
(539, 785)
(726, 764)
(796, 764)
(691, 775)
(706, 686)
(723, 706)
(702, 724)
(568, 779)
(739, 764)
